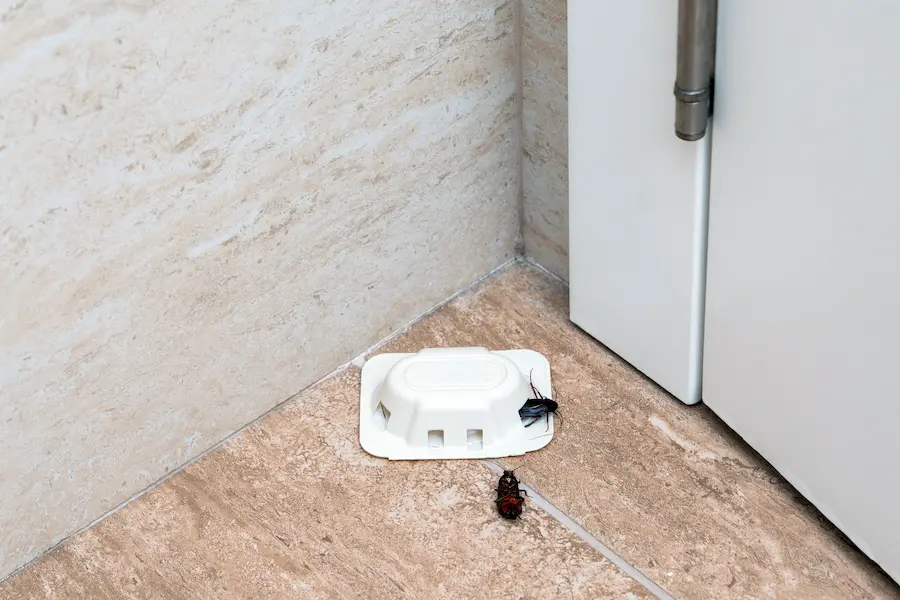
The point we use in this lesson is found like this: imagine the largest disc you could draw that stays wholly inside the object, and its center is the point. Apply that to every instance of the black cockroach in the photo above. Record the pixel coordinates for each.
(510, 500)
(537, 407)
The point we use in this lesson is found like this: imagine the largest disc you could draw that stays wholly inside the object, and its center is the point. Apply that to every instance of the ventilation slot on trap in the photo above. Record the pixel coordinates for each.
(475, 439)
(382, 416)
(435, 438)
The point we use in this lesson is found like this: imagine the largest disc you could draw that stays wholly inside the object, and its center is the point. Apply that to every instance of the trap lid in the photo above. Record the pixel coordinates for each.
(452, 403)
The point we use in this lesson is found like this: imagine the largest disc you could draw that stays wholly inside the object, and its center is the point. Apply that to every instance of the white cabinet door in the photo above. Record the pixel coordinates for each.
(803, 306)
(637, 194)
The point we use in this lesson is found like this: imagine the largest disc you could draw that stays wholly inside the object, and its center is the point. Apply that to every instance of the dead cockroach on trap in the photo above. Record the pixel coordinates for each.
(537, 407)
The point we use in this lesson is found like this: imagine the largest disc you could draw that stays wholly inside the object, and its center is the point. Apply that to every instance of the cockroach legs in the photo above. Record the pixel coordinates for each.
(536, 419)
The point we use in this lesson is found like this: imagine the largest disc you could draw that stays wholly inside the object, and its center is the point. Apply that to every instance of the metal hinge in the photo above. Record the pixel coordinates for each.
(695, 67)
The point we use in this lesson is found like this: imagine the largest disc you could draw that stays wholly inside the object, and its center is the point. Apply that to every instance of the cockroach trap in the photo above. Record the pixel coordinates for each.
(442, 403)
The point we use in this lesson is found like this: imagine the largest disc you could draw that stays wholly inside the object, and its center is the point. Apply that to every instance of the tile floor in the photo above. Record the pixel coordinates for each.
(293, 508)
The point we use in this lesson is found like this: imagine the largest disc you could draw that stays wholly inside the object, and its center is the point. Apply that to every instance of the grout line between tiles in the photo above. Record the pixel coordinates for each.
(570, 524)
(358, 361)
(530, 262)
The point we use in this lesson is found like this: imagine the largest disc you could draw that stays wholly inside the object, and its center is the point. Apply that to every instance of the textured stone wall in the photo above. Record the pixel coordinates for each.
(545, 168)
(207, 206)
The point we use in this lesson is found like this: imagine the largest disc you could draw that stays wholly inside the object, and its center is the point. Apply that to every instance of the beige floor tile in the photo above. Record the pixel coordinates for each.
(669, 487)
(293, 508)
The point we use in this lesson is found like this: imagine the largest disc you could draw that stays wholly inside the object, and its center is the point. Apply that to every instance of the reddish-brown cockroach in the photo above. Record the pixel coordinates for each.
(510, 500)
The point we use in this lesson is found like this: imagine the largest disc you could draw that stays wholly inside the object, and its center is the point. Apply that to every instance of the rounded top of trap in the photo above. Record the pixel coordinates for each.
(453, 380)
